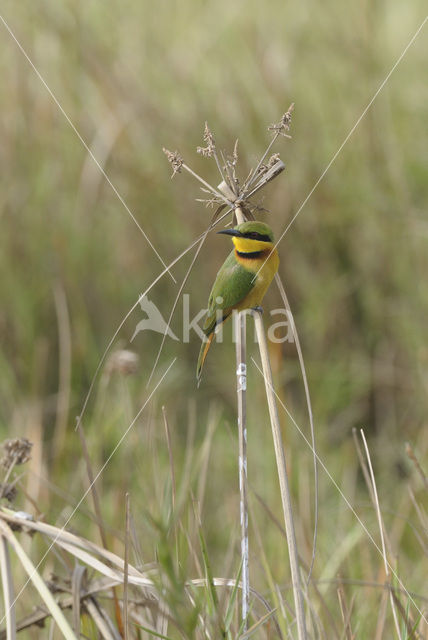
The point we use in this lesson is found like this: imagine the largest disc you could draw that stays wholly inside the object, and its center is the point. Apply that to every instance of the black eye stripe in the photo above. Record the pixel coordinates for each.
(253, 235)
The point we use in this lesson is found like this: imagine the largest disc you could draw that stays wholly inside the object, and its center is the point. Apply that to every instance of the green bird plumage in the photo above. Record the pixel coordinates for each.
(242, 280)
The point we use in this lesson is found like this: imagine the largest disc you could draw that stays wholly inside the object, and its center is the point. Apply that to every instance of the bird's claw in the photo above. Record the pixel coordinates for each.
(258, 308)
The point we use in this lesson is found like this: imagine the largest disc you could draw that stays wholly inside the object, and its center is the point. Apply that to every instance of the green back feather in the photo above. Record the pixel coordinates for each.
(232, 284)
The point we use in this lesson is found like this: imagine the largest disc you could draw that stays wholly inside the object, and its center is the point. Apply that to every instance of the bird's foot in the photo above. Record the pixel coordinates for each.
(257, 308)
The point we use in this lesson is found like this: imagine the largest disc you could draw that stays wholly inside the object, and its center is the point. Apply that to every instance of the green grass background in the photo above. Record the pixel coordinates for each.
(134, 77)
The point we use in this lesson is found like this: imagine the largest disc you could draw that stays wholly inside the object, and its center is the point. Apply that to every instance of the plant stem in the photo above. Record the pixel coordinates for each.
(282, 474)
(241, 379)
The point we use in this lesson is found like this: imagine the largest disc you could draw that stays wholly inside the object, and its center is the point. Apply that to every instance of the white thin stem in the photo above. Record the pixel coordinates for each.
(218, 194)
(282, 475)
(382, 531)
(241, 380)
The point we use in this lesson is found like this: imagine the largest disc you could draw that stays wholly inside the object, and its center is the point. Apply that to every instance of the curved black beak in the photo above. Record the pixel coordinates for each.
(231, 232)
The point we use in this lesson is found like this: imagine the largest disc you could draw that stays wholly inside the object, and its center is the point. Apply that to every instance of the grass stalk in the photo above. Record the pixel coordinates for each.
(8, 590)
(282, 474)
(241, 380)
(375, 499)
(125, 570)
(240, 320)
(310, 413)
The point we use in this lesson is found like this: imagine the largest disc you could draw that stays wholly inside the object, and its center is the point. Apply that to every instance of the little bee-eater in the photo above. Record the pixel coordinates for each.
(243, 279)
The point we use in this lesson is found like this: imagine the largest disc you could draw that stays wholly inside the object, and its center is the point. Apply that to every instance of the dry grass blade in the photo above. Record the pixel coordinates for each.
(310, 412)
(77, 581)
(411, 454)
(256, 626)
(101, 567)
(86, 551)
(38, 617)
(283, 479)
(381, 530)
(61, 536)
(380, 624)
(39, 583)
(345, 611)
(102, 622)
(8, 590)
(410, 625)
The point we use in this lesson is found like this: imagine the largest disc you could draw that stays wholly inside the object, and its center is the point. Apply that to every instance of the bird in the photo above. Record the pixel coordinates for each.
(243, 279)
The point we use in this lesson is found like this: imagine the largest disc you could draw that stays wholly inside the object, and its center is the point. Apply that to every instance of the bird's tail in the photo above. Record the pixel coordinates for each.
(202, 355)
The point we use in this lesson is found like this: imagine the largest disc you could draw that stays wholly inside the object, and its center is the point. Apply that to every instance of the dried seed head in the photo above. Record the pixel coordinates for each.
(283, 126)
(175, 159)
(123, 361)
(269, 164)
(16, 451)
(273, 160)
(208, 136)
(8, 491)
(204, 151)
(207, 151)
(235, 153)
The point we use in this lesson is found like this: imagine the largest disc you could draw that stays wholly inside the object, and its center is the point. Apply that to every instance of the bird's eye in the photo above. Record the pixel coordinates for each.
(254, 235)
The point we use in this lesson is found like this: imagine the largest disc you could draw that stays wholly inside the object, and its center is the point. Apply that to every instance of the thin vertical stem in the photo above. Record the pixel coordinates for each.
(241, 379)
(125, 569)
(8, 591)
(375, 499)
(283, 479)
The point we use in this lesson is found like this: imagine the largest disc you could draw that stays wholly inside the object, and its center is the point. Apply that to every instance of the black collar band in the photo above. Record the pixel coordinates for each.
(250, 255)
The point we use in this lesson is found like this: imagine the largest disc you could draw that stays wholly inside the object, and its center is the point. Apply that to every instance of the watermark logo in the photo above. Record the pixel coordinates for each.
(154, 321)
(279, 330)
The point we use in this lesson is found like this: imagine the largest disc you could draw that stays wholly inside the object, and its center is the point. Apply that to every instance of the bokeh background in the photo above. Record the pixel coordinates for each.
(134, 77)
